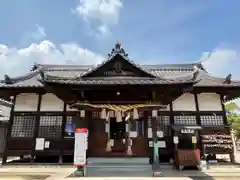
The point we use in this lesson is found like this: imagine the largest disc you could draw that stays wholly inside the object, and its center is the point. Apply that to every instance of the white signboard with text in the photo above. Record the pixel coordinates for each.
(80, 147)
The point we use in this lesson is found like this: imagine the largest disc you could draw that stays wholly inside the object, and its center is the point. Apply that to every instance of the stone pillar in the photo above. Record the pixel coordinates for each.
(79, 124)
(128, 128)
(155, 138)
(107, 130)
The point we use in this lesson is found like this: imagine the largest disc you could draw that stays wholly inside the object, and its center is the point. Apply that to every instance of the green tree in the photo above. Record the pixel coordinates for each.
(233, 117)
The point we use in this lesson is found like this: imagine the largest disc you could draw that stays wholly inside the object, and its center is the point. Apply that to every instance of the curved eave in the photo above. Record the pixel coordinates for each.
(115, 82)
(22, 78)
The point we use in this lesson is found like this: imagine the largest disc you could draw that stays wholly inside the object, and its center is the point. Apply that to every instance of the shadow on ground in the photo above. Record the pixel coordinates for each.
(24, 177)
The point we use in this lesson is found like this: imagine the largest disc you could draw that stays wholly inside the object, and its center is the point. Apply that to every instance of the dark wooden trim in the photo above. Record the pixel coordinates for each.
(41, 113)
(63, 129)
(9, 130)
(195, 113)
(36, 127)
(171, 114)
(224, 111)
(197, 109)
(199, 123)
(19, 113)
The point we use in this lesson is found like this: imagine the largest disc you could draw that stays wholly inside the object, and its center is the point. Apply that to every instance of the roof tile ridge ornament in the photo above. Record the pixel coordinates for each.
(12, 80)
(228, 79)
(117, 50)
(7, 79)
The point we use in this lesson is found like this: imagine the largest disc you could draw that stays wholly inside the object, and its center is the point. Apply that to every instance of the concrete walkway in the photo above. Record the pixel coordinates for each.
(63, 173)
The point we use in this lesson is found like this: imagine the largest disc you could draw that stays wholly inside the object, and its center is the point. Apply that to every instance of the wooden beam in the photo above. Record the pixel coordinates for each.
(63, 130)
(198, 118)
(225, 121)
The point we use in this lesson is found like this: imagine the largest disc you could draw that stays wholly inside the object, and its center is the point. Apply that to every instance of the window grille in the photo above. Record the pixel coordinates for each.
(23, 126)
(140, 127)
(163, 124)
(185, 120)
(50, 126)
(149, 122)
(70, 126)
(211, 120)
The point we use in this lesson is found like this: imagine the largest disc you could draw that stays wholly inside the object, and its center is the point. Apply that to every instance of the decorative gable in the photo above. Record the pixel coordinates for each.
(118, 65)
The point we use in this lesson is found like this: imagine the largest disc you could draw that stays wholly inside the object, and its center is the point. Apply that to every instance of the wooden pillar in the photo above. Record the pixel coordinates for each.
(171, 116)
(60, 159)
(36, 129)
(198, 118)
(225, 121)
(9, 130)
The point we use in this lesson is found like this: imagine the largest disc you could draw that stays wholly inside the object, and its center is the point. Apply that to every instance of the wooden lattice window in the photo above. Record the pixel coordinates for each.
(23, 126)
(149, 121)
(185, 120)
(163, 124)
(70, 126)
(50, 126)
(211, 120)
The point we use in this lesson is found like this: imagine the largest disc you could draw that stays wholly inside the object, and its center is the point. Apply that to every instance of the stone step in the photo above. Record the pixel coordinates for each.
(120, 160)
(118, 167)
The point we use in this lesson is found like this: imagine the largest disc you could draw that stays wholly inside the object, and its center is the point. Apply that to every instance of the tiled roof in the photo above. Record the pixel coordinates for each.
(165, 74)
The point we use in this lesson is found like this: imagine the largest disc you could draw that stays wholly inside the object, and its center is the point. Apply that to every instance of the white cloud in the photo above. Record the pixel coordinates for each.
(101, 12)
(222, 61)
(15, 61)
(38, 33)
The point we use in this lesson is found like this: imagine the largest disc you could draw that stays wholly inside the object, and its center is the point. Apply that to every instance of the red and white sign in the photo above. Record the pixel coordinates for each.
(80, 146)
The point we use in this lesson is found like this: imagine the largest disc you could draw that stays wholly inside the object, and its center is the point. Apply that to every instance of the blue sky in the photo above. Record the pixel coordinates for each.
(154, 32)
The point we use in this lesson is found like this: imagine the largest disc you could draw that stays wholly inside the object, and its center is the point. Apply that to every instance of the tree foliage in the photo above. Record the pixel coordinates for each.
(233, 117)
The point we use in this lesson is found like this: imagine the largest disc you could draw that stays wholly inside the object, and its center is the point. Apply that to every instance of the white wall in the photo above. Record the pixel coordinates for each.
(185, 102)
(50, 102)
(26, 102)
(209, 102)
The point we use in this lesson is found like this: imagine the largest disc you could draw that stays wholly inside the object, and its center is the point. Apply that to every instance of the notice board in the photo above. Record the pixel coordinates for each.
(80, 147)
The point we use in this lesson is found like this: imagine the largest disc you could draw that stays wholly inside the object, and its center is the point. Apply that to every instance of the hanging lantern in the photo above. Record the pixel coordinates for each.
(119, 116)
(103, 114)
(135, 114)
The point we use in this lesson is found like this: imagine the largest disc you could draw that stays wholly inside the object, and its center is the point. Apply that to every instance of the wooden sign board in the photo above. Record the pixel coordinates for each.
(175, 140)
(80, 146)
(187, 131)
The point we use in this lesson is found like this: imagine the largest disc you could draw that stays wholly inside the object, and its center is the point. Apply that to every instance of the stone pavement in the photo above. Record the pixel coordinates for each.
(64, 172)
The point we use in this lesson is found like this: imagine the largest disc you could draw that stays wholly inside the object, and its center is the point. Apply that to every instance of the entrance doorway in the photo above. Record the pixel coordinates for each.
(118, 133)
(117, 129)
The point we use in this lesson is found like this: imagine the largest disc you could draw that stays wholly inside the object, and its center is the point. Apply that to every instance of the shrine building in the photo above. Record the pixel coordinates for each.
(123, 105)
